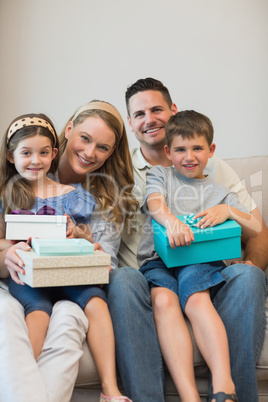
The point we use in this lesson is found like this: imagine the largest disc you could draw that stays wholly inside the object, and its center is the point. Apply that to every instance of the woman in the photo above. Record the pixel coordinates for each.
(94, 152)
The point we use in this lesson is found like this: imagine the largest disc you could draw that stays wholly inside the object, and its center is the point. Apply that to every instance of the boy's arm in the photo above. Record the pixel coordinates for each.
(179, 234)
(251, 226)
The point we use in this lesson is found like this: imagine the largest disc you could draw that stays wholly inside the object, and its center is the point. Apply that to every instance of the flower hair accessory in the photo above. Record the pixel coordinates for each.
(28, 122)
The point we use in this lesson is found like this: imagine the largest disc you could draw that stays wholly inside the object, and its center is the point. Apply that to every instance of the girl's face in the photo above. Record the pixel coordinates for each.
(190, 156)
(32, 157)
(89, 145)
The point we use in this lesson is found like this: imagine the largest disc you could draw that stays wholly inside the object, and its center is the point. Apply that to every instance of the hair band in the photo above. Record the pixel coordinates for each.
(28, 122)
(99, 105)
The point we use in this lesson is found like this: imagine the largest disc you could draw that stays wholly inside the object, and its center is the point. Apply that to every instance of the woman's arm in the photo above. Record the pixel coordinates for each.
(107, 234)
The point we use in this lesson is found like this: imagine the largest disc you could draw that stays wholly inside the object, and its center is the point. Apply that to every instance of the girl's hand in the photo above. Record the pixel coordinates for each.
(180, 235)
(78, 231)
(14, 263)
(71, 227)
(213, 216)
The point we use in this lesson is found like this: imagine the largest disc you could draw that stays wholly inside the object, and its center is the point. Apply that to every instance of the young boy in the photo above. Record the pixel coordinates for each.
(178, 190)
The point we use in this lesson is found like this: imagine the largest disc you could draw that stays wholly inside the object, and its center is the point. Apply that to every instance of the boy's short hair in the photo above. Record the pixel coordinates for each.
(187, 124)
(147, 84)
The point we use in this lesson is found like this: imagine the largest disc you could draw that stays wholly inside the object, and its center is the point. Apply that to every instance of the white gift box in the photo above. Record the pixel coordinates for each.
(43, 271)
(21, 227)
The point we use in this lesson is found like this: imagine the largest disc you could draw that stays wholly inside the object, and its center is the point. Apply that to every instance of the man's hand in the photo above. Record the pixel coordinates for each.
(247, 262)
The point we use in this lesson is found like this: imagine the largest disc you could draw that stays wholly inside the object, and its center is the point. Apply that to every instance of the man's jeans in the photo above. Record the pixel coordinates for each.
(241, 305)
(137, 350)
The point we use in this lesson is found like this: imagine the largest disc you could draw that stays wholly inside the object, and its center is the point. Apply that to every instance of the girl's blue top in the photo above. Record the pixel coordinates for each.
(79, 204)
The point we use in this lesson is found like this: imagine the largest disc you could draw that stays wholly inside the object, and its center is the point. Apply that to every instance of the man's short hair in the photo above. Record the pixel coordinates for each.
(147, 84)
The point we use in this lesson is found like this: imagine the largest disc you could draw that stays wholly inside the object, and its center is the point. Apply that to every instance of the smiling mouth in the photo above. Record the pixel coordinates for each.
(84, 161)
(189, 166)
(34, 169)
(152, 130)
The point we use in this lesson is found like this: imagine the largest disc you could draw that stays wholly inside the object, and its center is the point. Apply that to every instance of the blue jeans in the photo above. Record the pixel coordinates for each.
(138, 354)
(43, 299)
(241, 306)
(240, 303)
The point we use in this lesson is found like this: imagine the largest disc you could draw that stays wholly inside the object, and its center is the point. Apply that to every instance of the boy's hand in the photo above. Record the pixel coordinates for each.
(179, 235)
(213, 216)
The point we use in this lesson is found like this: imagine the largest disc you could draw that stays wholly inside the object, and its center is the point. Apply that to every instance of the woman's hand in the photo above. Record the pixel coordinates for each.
(14, 263)
(97, 246)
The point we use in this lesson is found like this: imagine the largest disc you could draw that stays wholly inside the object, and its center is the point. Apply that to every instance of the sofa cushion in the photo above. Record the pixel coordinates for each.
(253, 172)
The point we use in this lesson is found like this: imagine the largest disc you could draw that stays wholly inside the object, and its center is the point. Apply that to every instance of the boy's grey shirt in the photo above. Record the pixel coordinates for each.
(183, 196)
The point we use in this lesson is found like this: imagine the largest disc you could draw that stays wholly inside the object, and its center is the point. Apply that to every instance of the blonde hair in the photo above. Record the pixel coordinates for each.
(111, 184)
(15, 191)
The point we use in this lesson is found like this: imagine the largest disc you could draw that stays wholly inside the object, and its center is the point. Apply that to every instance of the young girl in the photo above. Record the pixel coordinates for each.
(31, 152)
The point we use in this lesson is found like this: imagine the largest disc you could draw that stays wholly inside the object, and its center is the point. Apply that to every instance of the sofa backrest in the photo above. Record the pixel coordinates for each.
(253, 171)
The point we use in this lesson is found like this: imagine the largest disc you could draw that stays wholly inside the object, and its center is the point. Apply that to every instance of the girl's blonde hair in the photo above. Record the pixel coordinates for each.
(15, 191)
(111, 184)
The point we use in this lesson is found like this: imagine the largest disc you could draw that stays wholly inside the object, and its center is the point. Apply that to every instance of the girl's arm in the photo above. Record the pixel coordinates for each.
(179, 234)
(220, 213)
(11, 263)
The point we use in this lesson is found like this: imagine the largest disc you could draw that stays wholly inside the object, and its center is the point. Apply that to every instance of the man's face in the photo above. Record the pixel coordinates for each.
(149, 114)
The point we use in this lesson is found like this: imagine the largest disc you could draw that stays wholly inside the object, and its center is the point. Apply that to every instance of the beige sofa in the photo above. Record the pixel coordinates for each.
(254, 173)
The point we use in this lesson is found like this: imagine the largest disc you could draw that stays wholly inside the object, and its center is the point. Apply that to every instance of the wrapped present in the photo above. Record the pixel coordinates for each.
(62, 246)
(221, 242)
(43, 271)
(21, 227)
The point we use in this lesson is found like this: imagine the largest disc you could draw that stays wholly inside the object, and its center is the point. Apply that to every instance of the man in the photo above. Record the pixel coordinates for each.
(149, 107)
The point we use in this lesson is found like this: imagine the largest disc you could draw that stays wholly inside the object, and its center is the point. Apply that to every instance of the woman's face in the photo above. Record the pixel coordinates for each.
(89, 144)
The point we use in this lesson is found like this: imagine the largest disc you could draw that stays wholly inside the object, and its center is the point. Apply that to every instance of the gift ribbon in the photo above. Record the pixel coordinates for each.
(189, 220)
(46, 210)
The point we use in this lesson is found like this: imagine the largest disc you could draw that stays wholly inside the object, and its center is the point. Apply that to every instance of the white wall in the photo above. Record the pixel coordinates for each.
(211, 54)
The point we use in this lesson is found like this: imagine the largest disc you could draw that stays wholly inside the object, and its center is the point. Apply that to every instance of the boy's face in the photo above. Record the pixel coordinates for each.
(149, 114)
(190, 156)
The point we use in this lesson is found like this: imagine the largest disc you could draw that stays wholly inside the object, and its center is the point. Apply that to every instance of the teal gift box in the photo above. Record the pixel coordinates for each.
(221, 242)
(62, 246)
